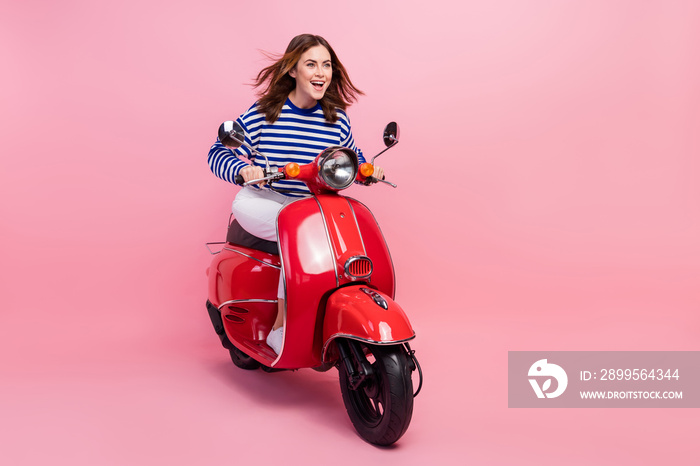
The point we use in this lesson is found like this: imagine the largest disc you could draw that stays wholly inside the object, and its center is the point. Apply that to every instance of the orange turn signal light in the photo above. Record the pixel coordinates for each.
(292, 169)
(366, 169)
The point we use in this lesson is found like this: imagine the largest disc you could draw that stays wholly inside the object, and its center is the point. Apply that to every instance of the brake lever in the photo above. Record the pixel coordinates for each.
(387, 182)
(273, 177)
(371, 180)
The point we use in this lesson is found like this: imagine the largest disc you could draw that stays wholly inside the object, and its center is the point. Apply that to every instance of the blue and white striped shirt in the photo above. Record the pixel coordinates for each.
(298, 136)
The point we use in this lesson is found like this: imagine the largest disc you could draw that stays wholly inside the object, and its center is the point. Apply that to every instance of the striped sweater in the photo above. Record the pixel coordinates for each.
(298, 136)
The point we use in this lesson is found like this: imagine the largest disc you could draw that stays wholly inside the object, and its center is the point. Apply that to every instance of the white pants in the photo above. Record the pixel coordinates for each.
(256, 210)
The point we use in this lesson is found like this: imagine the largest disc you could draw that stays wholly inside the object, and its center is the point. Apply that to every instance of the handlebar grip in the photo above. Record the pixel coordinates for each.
(239, 179)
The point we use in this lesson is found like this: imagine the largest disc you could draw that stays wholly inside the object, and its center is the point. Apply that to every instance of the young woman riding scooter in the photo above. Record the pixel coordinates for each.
(301, 111)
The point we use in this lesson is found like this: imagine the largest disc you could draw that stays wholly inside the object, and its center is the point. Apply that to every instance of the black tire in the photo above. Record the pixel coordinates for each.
(381, 408)
(242, 360)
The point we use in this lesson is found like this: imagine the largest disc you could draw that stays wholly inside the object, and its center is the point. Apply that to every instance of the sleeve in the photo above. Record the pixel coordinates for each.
(225, 163)
(346, 136)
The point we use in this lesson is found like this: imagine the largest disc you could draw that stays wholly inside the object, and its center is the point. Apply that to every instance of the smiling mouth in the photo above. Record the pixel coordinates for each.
(318, 85)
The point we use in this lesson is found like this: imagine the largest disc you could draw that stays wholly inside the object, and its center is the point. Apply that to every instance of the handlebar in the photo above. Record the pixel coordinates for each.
(239, 180)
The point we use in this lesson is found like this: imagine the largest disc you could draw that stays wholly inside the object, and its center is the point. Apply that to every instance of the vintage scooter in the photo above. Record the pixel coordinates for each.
(339, 283)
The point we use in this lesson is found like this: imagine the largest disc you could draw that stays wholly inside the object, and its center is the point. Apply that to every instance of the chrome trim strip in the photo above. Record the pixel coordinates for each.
(234, 301)
(210, 244)
(251, 257)
(364, 249)
(330, 243)
(356, 338)
(393, 269)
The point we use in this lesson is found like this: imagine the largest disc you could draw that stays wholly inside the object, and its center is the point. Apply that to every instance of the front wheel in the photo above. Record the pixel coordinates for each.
(381, 407)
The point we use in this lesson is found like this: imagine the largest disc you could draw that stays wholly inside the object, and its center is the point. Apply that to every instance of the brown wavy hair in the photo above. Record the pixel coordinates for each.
(277, 84)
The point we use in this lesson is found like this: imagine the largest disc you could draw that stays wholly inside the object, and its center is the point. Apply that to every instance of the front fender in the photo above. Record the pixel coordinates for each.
(353, 312)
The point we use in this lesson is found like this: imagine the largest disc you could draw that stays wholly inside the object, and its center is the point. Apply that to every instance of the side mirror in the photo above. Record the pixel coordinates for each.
(391, 138)
(231, 134)
(391, 134)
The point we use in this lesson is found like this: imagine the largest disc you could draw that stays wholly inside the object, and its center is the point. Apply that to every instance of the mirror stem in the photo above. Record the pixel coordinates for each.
(255, 152)
(395, 142)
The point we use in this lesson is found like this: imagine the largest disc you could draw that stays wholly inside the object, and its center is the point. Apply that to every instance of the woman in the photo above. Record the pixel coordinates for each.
(301, 111)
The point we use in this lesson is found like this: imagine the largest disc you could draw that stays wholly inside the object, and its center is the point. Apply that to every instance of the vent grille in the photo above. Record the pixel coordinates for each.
(358, 267)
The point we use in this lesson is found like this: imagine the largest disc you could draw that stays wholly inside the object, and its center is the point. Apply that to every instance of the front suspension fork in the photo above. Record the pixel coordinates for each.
(358, 368)
(351, 352)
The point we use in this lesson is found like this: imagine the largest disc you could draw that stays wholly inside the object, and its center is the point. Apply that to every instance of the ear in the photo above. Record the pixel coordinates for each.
(293, 72)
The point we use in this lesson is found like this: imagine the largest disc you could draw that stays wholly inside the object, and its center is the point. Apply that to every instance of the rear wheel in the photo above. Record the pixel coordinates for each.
(382, 406)
(242, 360)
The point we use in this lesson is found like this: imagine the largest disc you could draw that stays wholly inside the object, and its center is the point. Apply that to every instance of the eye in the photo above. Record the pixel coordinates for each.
(310, 65)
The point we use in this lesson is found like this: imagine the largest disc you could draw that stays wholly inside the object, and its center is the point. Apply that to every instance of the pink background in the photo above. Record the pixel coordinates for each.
(548, 200)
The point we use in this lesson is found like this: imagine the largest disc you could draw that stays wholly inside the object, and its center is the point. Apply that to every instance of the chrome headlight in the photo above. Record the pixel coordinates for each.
(337, 167)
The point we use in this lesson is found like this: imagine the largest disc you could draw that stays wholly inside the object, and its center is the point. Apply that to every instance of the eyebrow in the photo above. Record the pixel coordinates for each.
(314, 61)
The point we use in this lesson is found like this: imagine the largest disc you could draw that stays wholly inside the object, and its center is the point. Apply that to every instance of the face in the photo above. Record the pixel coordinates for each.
(313, 74)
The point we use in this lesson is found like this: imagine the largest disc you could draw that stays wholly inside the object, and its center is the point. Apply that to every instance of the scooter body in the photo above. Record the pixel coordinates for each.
(339, 281)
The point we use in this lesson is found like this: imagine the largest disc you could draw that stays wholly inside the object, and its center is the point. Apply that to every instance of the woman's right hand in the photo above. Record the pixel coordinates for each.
(252, 172)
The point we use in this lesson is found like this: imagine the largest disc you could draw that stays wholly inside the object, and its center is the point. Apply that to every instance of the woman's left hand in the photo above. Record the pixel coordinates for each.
(378, 172)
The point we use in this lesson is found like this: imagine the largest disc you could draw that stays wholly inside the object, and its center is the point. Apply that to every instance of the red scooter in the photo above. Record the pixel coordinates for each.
(339, 281)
